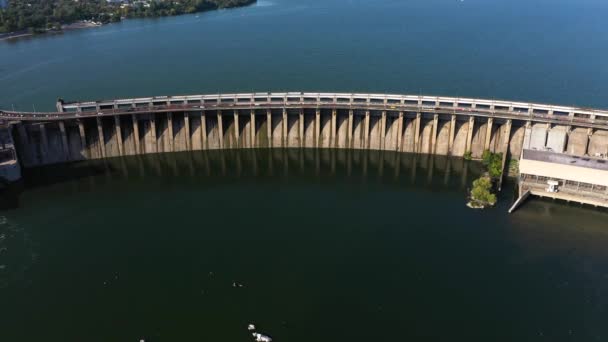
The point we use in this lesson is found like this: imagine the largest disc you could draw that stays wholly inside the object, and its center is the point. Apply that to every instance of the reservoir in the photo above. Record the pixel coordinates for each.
(545, 51)
(307, 244)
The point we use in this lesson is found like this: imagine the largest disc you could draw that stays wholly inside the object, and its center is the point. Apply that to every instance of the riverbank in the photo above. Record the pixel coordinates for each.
(15, 35)
(116, 14)
(84, 24)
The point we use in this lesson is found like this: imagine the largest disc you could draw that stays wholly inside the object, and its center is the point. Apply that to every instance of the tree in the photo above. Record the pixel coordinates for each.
(493, 162)
(481, 194)
(39, 15)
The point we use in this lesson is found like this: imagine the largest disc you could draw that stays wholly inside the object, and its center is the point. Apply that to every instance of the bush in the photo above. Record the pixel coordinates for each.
(481, 194)
(468, 155)
(493, 162)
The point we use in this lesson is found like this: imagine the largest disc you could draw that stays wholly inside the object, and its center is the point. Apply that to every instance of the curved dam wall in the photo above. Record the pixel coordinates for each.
(441, 126)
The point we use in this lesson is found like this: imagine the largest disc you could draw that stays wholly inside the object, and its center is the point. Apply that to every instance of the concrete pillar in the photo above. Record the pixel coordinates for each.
(452, 133)
(350, 129)
(565, 141)
(284, 126)
(187, 127)
(399, 132)
(334, 138)
(486, 144)
(318, 128)
(507, 139)
(237, 131)
(470, 134)
(220, 128)
(301, 127)
(118, 132)
(101, 138)
(252, 126)
(170, 127)
(64, 141)
(269, 126)
(83, 140)
(417, 133)
(589, 135)
(434, 134)
(153, 131)
(45, 144)
(24, 138)
(527, 136)
(383, 131)
(203, 129)
(136, 133)
(366, 131)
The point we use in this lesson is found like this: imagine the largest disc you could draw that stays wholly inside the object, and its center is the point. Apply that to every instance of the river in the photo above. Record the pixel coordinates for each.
(308, 245)
(541, 50)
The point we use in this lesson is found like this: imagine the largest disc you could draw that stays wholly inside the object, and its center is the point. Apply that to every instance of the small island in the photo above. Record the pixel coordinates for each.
(482, 194)
(27, 17)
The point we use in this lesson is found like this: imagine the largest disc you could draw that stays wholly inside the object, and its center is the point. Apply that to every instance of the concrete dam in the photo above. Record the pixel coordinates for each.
(402, 123)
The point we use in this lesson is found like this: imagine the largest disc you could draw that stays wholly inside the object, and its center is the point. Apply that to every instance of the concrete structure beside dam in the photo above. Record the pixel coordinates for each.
(402, 123)
(565, 177)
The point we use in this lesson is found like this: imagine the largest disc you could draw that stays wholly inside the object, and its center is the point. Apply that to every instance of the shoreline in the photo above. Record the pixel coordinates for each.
(85, 24)
(79, 25)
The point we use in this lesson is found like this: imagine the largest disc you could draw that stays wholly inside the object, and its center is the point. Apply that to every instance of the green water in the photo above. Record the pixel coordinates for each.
(328, 245)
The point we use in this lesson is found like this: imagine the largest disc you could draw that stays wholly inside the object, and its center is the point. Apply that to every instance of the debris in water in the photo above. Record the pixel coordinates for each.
(261, 337)
(251, 327)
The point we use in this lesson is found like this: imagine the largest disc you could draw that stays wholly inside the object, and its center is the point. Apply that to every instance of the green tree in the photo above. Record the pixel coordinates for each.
(493, 163)
(40, 15)
(481, 194)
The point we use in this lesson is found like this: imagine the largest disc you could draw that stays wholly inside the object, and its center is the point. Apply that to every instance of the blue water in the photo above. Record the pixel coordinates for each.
(537, 50)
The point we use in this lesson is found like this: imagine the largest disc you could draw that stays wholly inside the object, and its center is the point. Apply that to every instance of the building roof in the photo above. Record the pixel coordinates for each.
(566, 159)
(564, 166)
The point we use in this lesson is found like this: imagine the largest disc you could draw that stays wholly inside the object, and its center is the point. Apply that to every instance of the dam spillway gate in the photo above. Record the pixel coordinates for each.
(401, 123)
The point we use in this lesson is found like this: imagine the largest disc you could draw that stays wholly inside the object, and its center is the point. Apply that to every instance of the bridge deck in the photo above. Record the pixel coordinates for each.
(392, 103)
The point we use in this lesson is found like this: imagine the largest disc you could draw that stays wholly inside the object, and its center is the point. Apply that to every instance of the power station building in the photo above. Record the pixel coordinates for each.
(562, 176)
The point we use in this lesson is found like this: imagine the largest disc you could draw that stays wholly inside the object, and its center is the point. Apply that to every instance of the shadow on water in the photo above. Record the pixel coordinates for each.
(421, 171)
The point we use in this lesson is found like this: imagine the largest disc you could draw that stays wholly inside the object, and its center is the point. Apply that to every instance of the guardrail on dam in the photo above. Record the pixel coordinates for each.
(416, 124)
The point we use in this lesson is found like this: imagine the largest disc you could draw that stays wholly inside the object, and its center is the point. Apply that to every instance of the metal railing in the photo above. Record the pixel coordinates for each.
(305, 101)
